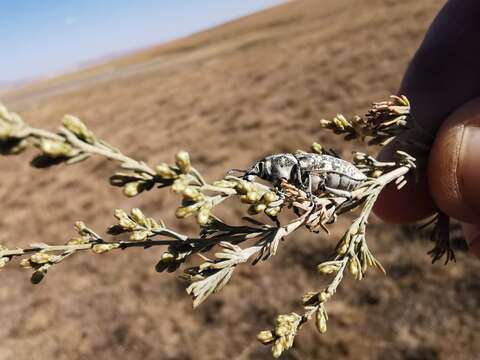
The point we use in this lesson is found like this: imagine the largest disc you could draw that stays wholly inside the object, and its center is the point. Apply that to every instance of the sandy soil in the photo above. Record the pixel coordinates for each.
(229, 95)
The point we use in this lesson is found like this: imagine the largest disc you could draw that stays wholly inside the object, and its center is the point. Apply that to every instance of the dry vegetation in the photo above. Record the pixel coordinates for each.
(229, 95)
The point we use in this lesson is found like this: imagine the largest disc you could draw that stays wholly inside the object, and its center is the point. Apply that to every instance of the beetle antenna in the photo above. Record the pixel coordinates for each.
(229, 172)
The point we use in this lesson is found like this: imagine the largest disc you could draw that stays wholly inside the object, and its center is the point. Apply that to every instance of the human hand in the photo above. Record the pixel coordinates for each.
(443, 85)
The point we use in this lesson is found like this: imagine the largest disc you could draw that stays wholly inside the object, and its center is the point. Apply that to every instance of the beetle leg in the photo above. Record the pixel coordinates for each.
(298, 175)
(308, 187)
(342, 193)
(333, 219)
(309, 191)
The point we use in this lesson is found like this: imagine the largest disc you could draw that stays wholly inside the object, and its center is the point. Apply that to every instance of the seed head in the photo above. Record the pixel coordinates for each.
(76, 126)
(102, 248)
(131, 189)
(182, 159)
(265, 337)
(165, 171)
(40, 258)
(321, 321)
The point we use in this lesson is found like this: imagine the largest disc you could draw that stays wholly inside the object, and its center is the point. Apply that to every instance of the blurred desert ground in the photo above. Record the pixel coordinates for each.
(229, 95)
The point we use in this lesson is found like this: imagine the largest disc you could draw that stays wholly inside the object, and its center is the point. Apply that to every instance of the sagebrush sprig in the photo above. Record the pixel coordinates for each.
(381, 124)
(234, 245)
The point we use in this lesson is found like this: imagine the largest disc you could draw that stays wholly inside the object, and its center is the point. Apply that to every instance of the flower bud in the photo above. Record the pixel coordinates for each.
(260, 207)
(203, 215)
(181, 212)
(325, 123)
(243, 187)
(327, 268)
(282, 330)
(153, 224)
(257, 209)
(102, 248)
(269, 197)
(353, 268)
(3, 261)
(131, 189)
(343, 248)
(364, 266)
(126, 223)
(54, 148)
(138, 216)
(265, 337)
(76, 126)
(340, 122)
(320, 322)
(119, 214)
(250, 198)
(190, 193)
(165, 171)
(77, 241)
(317, 148)
(40, 258)
(277, 349)
(324, 296)
(184, 211)
(140, 235)
(179, 185)
(376, 173)
(80, 227)
(272, 211)
(182, 159)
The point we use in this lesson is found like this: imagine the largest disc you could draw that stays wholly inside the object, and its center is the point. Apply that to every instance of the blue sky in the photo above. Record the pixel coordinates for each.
(44, 37)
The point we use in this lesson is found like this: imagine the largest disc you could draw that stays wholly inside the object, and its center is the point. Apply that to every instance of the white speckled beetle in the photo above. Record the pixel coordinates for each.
(313, 173)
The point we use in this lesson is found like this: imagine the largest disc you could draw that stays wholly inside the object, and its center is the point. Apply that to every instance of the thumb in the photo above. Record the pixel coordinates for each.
(454, 164)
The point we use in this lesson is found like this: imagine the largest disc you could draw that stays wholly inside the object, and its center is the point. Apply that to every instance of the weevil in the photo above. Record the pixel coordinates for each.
(311, 172)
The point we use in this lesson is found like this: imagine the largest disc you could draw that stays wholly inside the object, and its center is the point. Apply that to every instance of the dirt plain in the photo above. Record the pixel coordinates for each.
(229, 95)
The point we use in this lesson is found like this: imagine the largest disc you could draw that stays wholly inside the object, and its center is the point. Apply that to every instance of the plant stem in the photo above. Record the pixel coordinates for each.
(109, 154)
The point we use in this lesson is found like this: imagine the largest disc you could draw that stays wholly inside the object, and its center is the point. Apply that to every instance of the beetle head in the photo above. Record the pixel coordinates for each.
(274, 168)
(261, 168)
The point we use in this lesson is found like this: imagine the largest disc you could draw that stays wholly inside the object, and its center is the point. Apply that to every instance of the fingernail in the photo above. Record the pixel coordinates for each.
(469, 168)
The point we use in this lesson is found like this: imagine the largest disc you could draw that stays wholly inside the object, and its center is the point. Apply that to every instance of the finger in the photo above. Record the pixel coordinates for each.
(442, 76)
(454, 164)
(472, 236)
(444, 73)
(412, 203)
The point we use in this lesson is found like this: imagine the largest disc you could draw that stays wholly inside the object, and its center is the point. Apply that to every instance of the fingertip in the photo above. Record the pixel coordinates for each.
(409, 204)
(454, 165)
